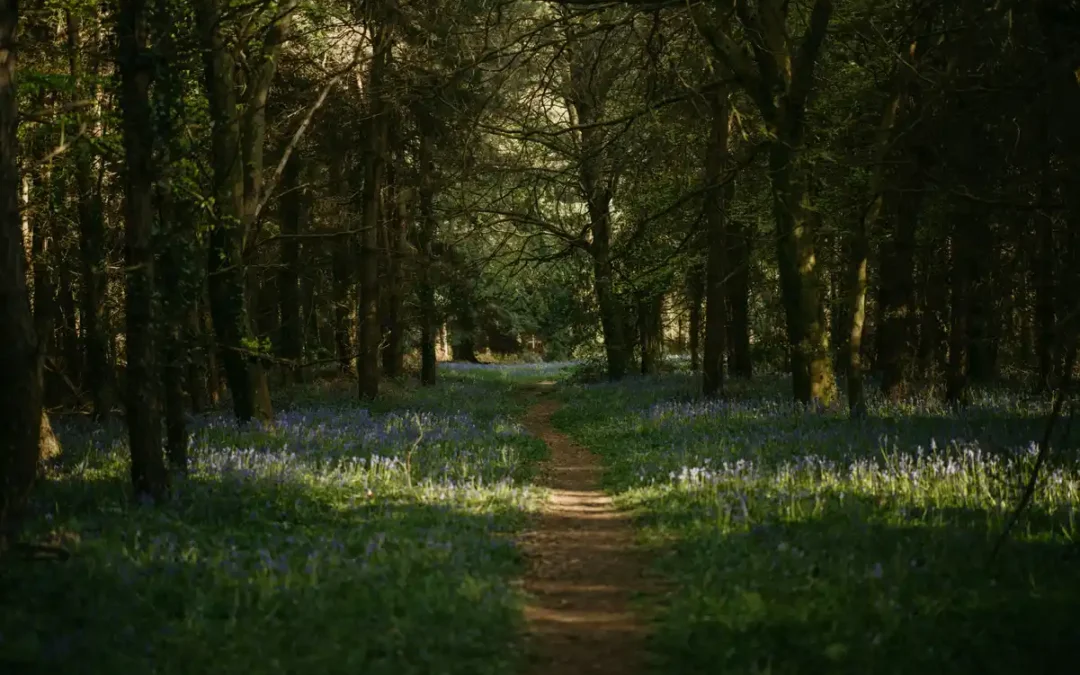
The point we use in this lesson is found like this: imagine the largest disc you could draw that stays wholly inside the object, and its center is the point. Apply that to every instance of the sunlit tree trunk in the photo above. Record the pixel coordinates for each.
(777, 72)
(808, 335)
(143, 407)
(20, 359)
(859, 249)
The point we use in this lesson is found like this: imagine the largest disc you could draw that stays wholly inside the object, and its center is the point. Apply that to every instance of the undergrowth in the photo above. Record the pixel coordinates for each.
(799, 541)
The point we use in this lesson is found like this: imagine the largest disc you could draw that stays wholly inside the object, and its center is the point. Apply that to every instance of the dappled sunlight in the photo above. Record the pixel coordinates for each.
(799, 540)
(349, 535)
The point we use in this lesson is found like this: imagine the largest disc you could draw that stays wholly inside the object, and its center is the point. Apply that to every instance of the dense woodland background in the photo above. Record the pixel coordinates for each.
(203, 200)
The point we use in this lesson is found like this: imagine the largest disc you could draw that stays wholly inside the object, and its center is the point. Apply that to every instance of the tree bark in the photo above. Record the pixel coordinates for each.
(587, 101)
(429, 319)
(957, 389)
(983, 317)
(143, 408)
(43, 259)
(395, 220)
(812, 376)
(228, 304)
(294, 216)
(93, 315)
(716, 267)
(20, 359)
(611, 314)
(896, 353)
(342, 298)
(651, 325)
(859, 248)
(180, 279)
(695, 294)
(740, 361)
(779, 79)
(368, 333)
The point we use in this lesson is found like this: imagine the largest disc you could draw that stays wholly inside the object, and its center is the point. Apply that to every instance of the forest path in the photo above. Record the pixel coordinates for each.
(584, 568)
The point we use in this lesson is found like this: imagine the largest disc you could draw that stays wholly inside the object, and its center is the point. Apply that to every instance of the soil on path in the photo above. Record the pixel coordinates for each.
(584, 569)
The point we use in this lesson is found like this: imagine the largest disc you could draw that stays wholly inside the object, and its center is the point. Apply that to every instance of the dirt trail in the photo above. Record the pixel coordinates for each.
(583, 567)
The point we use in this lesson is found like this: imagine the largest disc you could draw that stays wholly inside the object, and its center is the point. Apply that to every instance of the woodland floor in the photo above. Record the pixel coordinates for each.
(584, 568)
(660, 533)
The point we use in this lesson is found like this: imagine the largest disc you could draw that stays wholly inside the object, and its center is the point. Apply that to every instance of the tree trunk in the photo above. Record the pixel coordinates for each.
(42, 246)
(587, 103)
(812, 376)
(180, 278)
(463, 327)
(957, 386)
(232, 324)
(896, 353)
(740, 362)
(68, 329)
(176, 245)
(342, 259)
(983, 317)
(197, 377)
(429, 320)
(695, 293)
(93, 316)
(651, 323)
(716, 268)
(143, 409)
(859, 250)
(393, 352)
(20, 359)
(368, 332)
(294, 215)
(1044, 273)
(856, 315)
(611, 315)
(779, 79)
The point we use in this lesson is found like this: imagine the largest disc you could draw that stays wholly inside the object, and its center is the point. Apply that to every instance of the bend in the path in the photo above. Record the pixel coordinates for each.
(584, 568)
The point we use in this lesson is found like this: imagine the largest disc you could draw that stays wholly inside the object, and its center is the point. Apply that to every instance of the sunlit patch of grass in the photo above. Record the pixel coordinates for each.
(800, 541)
(336, 540)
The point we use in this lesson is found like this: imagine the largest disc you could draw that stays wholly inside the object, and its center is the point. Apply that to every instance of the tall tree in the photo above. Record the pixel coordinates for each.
(143, 408)
(777, 73)
(93, 315)
(237, 112)
(294, 216)
(589, 84)
(20, 359)
(368, 330)
(716, 267)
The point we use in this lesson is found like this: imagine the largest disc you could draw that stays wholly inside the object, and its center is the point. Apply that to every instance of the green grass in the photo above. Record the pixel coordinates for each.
(337, 541)
(802, 542)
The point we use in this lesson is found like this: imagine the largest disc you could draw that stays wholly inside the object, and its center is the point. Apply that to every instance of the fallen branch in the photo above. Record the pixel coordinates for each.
(1028, 495)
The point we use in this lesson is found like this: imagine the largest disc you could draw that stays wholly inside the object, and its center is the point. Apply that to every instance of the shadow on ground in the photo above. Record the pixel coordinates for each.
(248, 576)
